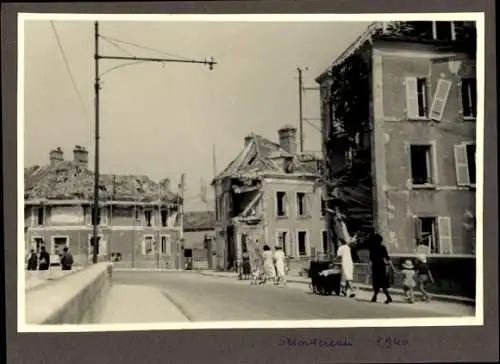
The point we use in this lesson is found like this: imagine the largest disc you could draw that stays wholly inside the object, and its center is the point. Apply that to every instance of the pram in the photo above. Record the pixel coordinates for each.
(329, 281)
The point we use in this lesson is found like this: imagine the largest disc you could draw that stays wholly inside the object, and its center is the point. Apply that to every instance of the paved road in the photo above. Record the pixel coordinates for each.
(203, 298)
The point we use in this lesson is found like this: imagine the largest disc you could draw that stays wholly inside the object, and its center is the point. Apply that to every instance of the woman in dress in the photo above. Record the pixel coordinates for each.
(380, 262)
(269, 269)
(345, 255)
(279, 261)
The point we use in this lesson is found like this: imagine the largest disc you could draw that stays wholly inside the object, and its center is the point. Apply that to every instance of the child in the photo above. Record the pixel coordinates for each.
(424, 276)
(256, 276)
(409, 279)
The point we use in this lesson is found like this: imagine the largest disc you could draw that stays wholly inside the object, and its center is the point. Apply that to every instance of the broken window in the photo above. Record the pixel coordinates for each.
(281, 208)
(421, 164)
(426, 231)
(416, 97)
(164, 217)
(301, 204)
(443, 30)
(302, 242)
(148, 217)
(465, 164)
(469, 97)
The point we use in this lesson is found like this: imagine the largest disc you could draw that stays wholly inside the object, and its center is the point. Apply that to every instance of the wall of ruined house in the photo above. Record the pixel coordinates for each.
(314, 224)
(397, 203)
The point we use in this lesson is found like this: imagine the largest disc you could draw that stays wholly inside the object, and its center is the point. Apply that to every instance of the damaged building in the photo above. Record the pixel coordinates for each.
(138, 222)
(269, 195)
(399, 110)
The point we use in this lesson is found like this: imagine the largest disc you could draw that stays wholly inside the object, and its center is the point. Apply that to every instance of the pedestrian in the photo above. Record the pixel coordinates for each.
(44, 262)
(32, 260)
(269, 269)
(347, 269)
(424, 276)
(279, 261)
(409, 280)
(246, 264)
(66, 259)
(380, 264)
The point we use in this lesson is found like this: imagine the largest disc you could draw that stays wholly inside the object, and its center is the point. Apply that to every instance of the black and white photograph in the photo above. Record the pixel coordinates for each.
(250, 171)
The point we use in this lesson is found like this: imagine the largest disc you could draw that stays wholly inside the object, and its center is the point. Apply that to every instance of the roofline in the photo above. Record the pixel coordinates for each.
(350, 50)
(62, 202)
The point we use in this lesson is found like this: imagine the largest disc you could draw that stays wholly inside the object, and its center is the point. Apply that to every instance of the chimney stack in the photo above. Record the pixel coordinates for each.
(288, 139)
(56, 156)
(80, 156)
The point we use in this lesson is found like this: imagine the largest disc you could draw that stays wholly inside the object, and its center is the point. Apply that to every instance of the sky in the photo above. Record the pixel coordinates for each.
(162, 120)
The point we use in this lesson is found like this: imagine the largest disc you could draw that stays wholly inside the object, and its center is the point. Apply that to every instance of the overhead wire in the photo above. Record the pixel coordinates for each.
(68, 68)
(143, 47)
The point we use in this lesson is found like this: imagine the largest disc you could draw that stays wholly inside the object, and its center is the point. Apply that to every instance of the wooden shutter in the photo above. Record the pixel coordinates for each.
(88, 215)
(286, 204)
(461, 165)
(168, 245)
(33, 216)
(445, 238)
(418, 230)
(104, 215)
(288, 244)
(103, 247)
(309, 203)
(440, 98)
(143, 246)
(411, 98)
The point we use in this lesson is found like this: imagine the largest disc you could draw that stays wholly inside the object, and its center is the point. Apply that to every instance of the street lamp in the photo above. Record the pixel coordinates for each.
(97, 87)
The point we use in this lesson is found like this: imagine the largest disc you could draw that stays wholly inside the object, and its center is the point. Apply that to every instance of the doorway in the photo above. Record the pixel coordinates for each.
(231, 253)
(36, 244)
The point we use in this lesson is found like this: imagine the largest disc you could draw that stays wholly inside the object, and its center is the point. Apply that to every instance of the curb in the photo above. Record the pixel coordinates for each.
(51, 279)
(437, 298)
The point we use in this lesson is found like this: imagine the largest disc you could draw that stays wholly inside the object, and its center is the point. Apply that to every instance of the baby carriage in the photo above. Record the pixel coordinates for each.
(325, 277)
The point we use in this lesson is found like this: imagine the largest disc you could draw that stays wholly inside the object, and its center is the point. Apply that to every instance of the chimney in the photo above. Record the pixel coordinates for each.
(288, 140)
(80, 156)
(56, 156)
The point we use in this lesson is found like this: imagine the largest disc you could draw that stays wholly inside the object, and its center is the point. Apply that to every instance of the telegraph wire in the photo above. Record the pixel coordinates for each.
(68, 68)
(117, 46)
(143, 47)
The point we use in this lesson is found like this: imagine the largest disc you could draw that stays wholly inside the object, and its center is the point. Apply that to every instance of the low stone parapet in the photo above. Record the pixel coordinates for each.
(72, 299)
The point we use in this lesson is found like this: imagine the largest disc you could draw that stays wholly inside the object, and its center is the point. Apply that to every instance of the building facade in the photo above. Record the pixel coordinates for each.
(138, 218)
(401, 155)
(199, 237)
(269, 195)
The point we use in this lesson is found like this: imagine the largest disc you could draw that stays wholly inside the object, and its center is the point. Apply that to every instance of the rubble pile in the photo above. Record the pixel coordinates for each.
(69, 181)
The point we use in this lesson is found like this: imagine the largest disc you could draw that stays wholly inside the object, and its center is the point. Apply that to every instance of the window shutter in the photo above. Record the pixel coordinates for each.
(143, 246)
(418, 230)
(153, 216)
(461, 165)
(445, 239)
(104, 216)
(411, 98)
(288, 245)
(309, 203)
(88, 216)
(33, 216)
(286, 204)
(277, 235)
(440, 97)
(168, 245)
(103, 247)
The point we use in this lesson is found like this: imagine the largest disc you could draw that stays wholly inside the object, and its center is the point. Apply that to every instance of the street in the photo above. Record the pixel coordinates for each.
(203, 298)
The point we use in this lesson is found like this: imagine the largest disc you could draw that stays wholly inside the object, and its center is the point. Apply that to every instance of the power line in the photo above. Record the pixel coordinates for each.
(143, 47)
(68, 68)
(114, 44)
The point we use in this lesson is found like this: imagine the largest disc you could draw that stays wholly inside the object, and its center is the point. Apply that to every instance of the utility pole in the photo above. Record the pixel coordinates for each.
(97, 87)
(301, 119)
(181, 219)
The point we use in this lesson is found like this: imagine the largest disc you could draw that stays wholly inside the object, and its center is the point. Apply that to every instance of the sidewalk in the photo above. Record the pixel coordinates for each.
(358, 286)
(127, 304)
(37, 278)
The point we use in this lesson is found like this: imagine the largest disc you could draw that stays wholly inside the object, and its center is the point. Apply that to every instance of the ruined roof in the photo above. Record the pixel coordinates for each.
(199, 220)
(261, 156)
(67, 181)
